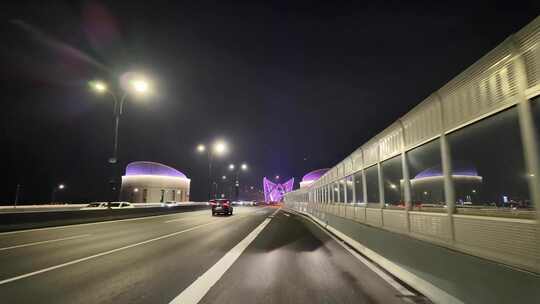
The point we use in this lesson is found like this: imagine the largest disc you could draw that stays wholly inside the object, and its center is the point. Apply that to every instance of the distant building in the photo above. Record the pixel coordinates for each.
(428, 185)
(150, 182)
(312, 176)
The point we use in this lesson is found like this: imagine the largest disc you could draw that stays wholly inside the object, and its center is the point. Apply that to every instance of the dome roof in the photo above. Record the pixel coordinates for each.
(314, 175)
(459, 168)
(152, 168)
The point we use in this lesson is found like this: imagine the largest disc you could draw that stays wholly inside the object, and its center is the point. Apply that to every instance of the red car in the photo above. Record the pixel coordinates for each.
(221, 206)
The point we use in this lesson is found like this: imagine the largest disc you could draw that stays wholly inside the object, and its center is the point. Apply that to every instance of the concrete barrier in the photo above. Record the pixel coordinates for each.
(31, 220)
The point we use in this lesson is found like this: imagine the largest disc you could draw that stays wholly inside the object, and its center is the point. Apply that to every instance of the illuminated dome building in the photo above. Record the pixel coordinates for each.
(150, 182)
(312, 176)
(428, 185)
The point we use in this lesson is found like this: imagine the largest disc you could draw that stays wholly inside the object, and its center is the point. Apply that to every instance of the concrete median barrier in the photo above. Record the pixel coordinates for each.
(31, 220)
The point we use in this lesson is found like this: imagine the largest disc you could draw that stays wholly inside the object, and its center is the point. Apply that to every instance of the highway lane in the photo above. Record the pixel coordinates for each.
(294, 261)
(152, 260)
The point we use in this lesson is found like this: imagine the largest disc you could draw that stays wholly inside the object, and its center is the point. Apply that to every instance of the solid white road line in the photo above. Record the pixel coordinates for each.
(45, 242)
(198, 289)
(98, 223)
(26, 275)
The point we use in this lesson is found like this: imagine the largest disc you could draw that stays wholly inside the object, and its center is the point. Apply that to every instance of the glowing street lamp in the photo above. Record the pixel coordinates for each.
(220, 148)
(137, 85)
(56, 188)
(98, 86)
(242, 167)
(217, 148)
(140, 85)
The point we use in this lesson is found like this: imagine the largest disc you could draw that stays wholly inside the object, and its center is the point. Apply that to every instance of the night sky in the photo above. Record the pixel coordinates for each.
(290, 87)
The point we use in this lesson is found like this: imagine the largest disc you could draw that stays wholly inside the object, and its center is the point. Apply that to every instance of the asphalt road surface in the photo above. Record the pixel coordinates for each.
(258, 255)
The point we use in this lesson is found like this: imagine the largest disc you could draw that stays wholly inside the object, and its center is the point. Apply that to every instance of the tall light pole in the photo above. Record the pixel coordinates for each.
(242, 167)
(218, 148)
(135, 84)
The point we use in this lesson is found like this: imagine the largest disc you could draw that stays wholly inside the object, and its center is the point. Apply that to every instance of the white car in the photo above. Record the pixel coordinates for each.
(169, 204)
(120, 205)
(95, 206)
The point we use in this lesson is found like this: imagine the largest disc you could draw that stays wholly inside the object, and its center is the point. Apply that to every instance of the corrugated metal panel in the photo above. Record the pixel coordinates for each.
(529, 43)
(360, 214)
(390, 142)
(357, 160)
(371, 152)
(348, 163)
(423, 122)
(430, 225)
(510, 240)
(374, 217)
(487, 85)
(395, 220)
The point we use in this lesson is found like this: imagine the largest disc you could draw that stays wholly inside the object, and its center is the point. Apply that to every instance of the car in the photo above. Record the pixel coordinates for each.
(119, 205)
(221, 206)
(169, 204)
(95, 206)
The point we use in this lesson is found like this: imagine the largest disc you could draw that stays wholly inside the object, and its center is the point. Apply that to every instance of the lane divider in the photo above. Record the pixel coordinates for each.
(200, 287)
(45, 242)
(30, 274)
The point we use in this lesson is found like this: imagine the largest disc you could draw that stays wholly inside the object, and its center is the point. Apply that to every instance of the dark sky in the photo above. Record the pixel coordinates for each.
(290, 87)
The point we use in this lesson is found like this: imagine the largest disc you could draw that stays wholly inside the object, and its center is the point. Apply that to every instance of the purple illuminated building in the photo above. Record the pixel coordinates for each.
(312, 176)
(274, 192)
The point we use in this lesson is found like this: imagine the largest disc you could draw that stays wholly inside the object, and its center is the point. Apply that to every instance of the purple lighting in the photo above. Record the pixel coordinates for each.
(152, 168)
(274, 192)
(459, 168)
(314, 175)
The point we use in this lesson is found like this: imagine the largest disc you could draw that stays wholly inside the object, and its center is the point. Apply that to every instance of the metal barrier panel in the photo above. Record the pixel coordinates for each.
(395, 220)
(434, 226)
(506, 240)
(374, 216)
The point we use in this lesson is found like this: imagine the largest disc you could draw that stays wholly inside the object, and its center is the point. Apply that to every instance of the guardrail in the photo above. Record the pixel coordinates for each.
(30, 220)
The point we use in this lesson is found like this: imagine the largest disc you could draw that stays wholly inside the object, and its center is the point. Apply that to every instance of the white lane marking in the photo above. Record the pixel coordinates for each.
(45, 242)
(383, 275)
(26, 275)
(185, 218)
(198, 289)
(98, 223)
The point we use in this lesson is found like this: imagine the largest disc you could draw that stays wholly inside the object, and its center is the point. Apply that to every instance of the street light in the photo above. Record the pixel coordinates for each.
(217, 148)
(232, 167)
(138, 85)
(56, 188)
(220, 148)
